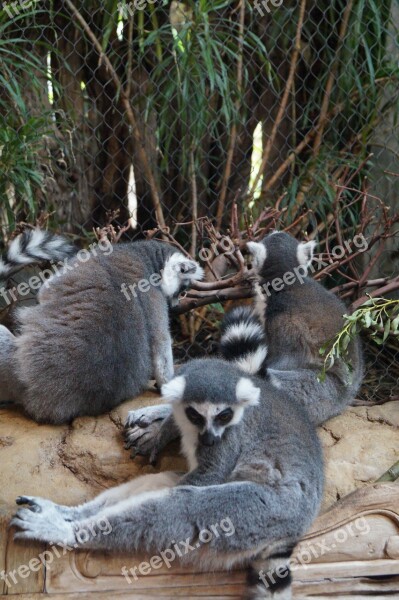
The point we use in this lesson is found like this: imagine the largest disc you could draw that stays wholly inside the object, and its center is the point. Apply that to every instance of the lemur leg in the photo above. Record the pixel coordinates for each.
(241, 519)
(321, 399)
(161, 343)
(149, 430)
(10, 388)
(111, 497)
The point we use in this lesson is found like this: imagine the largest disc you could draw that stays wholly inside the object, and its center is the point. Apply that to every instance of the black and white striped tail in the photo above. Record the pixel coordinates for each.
(243, 340)
(270, 578)
(34, 246)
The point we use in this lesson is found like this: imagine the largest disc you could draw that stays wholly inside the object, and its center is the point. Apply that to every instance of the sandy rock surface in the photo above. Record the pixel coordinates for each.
(71, 464)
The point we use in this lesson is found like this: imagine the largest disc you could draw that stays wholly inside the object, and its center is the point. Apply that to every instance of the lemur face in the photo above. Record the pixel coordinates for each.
(178, 274)
(207, 419)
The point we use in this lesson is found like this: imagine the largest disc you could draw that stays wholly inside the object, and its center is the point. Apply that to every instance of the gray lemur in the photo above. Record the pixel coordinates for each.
(254, 459)
(282, 343)
(299, 317)
(99, 332)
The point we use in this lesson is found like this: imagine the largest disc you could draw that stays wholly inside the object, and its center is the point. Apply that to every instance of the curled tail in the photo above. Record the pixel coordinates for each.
(243, 340)
(34, 246)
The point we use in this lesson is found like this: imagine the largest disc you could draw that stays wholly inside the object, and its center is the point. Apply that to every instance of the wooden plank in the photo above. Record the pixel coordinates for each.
(86, 571)
(209, 594)
(15, 557)
(354, 568)
(328, 588)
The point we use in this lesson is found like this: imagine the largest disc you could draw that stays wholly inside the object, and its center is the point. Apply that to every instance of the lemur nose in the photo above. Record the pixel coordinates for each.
(208, 438)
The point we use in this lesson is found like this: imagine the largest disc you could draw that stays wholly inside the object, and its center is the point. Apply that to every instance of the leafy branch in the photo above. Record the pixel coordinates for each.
(380, 316)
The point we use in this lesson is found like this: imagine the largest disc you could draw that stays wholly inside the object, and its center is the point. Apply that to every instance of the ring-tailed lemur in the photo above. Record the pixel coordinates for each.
(300, 316)
(98, 334)
(254, 459)
(283, 343)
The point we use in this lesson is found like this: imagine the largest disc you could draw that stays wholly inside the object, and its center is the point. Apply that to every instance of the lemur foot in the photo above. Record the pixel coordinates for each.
(42, 521)
(142, 428)
(37, 504)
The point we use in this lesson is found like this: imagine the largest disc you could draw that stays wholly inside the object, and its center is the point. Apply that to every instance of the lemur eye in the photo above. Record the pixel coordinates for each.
(194, 417)
(225, 416)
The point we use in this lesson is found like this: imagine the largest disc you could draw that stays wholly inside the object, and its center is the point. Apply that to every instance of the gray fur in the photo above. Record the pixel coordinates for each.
(299, 319)
(9, 386)
(86, 347)
(265, 474)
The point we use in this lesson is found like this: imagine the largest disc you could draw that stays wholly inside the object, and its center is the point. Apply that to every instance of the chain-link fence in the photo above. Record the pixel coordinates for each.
(204, 119)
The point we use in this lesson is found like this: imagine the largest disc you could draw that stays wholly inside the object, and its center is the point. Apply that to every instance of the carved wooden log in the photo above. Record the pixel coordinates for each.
(351, 548)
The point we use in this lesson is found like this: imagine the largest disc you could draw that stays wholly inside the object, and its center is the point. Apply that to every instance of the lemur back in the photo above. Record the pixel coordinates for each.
(92, 341)
(255, 461)
(300, 316)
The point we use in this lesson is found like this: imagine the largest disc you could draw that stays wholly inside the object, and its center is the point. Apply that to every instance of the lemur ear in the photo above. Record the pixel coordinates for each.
(304, 253)
(188, 266)
(258, 252)
(247, 393)
(173, 390)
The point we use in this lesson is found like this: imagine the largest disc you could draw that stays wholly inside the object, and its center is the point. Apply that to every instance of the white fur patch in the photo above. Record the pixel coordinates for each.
(132, 502)
(252, 362)
(189, 435)
(260, 303)
(247, 393)
(258, 252)
(242, 330)
(4, 269)
(14, 250)
(145, 483)
(173, 390)
(275, 381)
(304, 253)
(179, 271)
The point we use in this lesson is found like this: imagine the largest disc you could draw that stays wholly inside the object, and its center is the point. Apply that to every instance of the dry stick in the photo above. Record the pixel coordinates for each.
(351, 285)
(129, 113)
(390, 287)
(371, 264)
(284, 100)
(194, 201)
(236, 293)
(301, 146)
(330, 82)
(129, 56)
(233, 136)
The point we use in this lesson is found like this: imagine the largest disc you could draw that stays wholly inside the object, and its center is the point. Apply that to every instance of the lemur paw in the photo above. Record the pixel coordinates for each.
(141, 430)
(37, 504)
(42, 521)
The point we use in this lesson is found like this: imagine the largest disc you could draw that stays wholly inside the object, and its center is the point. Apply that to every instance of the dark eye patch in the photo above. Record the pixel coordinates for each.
(194, 417)
(224, 417)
